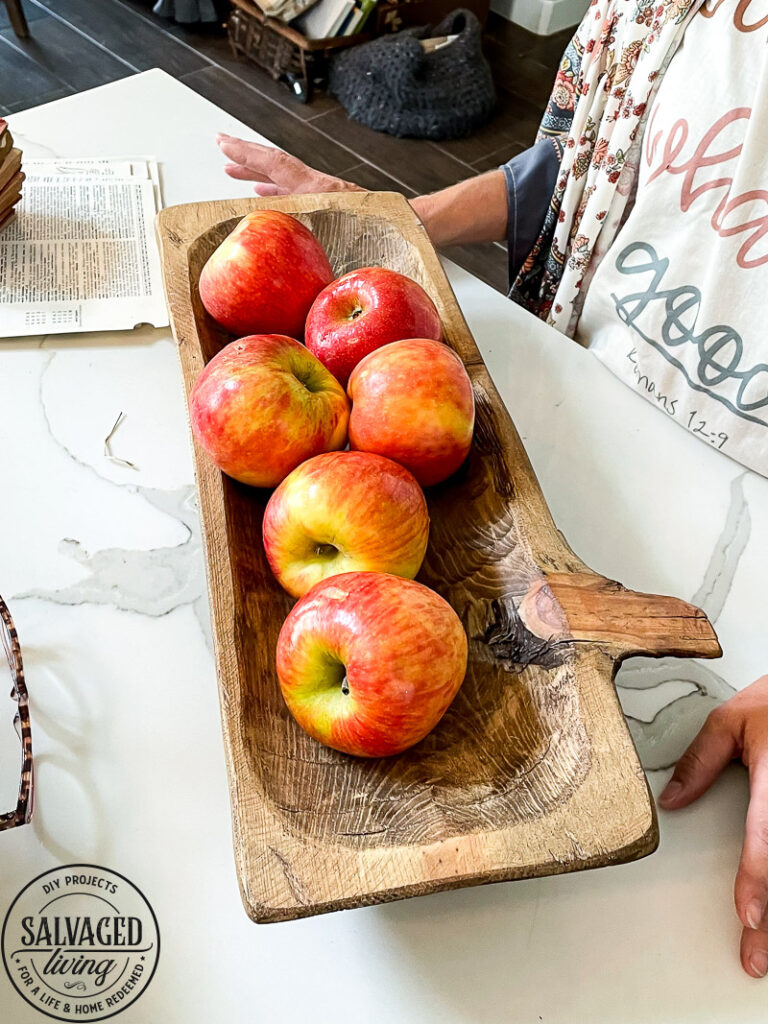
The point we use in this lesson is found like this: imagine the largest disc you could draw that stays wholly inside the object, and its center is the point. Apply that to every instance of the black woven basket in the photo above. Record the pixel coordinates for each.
(392, 85)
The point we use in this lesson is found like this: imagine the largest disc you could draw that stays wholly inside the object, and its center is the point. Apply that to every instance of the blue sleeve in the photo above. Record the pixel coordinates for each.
(531, 178)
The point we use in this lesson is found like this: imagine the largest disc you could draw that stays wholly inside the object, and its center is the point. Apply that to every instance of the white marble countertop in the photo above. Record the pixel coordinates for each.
(102, 568)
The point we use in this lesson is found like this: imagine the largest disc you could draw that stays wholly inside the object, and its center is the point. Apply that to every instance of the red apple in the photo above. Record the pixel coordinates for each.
(264, 404)
(368, 663)
(364, 310)
(265, 275)
(412, 401)
(344, 512)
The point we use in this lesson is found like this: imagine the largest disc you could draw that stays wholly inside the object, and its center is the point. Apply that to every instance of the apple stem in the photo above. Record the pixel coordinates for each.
(345, 686)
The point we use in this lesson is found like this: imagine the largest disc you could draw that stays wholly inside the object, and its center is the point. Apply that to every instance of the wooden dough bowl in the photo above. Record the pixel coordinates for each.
(532, 771)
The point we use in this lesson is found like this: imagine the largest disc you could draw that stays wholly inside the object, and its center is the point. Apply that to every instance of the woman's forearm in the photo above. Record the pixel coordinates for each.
(474, 210)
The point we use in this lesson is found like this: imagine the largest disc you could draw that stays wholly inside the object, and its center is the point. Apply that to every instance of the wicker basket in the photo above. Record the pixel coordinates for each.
(280, 50)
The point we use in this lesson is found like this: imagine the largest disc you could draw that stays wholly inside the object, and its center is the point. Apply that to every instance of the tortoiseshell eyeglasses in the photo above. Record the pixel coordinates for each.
(22, 813)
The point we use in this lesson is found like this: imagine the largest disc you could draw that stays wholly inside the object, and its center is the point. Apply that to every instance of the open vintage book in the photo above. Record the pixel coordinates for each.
(80, 254)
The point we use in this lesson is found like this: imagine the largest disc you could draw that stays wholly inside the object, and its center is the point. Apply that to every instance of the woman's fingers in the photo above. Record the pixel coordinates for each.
(714, 747)
(243, 173)
(754, 952)
(266, 163)
(265, 189)
(751, 889)
(251, 161)
(248, 154)
(739, 728)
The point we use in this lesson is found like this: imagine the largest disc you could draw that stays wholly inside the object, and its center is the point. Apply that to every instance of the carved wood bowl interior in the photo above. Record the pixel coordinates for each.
(532, 770)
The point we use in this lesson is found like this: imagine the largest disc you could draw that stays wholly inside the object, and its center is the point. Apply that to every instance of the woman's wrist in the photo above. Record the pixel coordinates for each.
(471, 211)
(423, 207)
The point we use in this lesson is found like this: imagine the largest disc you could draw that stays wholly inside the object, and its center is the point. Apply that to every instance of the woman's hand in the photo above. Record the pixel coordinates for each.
(275, 172)
(736, 729)
(471, 211)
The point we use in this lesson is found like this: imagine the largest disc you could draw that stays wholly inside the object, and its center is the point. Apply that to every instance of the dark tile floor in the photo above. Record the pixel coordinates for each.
(79, 44)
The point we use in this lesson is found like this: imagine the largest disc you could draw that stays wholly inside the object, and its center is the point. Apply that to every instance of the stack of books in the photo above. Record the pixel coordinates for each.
(11, 174)
(327, 19)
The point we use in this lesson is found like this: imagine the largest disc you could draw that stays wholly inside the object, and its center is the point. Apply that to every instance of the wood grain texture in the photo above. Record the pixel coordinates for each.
(532, 771)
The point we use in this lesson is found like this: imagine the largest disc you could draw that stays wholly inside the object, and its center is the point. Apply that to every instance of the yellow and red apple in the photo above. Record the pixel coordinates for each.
(265, 275)
(412, 402)
(368, 663)
(345, 512)
(263, 405)
(362, 311)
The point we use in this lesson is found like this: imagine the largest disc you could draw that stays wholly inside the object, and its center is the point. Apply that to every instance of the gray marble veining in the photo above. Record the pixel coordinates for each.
(149, 582)
(662, 739)
(152, 582)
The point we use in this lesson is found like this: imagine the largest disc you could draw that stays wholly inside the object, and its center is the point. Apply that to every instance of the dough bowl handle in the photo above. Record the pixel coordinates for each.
(588, 608)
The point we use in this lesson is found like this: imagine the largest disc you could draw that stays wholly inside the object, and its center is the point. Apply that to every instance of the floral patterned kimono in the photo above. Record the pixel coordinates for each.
(583, 167)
